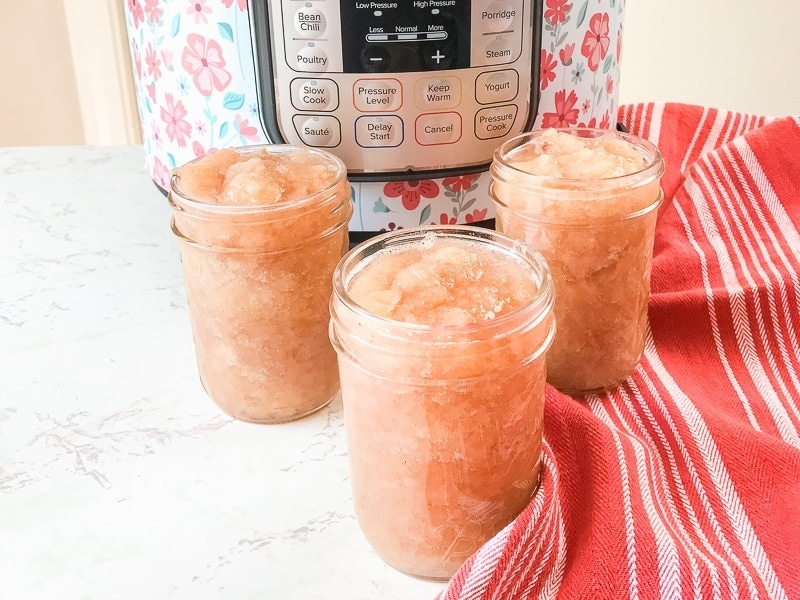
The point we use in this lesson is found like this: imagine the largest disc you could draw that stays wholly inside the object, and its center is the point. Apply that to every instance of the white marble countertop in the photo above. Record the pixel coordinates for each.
(119, 478)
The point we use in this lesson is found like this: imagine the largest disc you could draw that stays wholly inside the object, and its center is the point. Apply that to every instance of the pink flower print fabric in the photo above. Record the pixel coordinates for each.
(596, 41)
(198, 10)
(411, 192)
(173, 115)
(240, 4)
(191, 60)
(579, 71)
(135, 12)
(153, 10)
(565, 113)
(556, 11)
(203, 60)
(547, 69)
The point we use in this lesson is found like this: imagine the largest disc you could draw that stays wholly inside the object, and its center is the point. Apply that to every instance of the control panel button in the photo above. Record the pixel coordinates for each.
(377, 95)
(436, 93)
(385, 131)
(309, 22)
(438, 56)
(375, 59)
(432, 129)
(320, 131)
(498, 16)
(494, 122)
(498, 51)
(314, 94)
(496, 86)
(311, 58)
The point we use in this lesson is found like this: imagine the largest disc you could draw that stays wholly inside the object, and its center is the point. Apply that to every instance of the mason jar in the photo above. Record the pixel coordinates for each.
(443, 395)
(258, 282)
(596, 232)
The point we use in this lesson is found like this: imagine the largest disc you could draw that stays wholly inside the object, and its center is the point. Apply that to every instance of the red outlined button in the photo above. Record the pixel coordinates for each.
(433, 129)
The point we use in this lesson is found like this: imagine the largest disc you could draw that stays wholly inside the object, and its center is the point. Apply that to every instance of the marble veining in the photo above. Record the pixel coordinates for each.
(119, 478)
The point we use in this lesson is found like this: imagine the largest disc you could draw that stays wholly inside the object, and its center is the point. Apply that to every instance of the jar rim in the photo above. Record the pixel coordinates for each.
(249, 209)
(540, 304)
(653, 170)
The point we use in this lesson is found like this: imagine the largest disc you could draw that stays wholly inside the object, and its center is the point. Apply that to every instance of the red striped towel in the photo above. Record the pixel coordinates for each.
(685, 481)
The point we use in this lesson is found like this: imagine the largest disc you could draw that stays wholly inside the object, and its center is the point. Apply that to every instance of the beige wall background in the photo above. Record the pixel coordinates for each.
(735, 54)
(66, 76)
(65, 73)
(39, 102)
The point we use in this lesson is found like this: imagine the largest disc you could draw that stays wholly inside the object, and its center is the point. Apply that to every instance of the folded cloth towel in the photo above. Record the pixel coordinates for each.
(684, 482)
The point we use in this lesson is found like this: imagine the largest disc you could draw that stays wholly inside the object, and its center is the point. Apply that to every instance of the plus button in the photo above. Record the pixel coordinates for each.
(438, 57)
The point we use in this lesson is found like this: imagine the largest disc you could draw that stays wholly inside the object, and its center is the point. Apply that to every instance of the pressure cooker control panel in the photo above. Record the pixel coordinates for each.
(405, 87)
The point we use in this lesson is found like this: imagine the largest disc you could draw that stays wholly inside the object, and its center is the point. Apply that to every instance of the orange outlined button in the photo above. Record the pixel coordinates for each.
(437, 93)
(377, 95)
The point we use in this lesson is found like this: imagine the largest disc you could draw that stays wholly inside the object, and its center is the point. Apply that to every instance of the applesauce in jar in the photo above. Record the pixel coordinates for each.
(587, 200)
(441, 334)
(260, 230)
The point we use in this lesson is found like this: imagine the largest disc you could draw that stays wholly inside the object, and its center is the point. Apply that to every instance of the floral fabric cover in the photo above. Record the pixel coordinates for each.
(193, 69)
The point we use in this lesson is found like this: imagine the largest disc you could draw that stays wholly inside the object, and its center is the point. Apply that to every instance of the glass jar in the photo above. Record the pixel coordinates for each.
(596, 235)
(443, 421)
(258, 283)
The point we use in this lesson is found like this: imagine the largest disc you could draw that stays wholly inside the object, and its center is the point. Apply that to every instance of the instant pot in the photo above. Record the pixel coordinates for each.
(413, 95)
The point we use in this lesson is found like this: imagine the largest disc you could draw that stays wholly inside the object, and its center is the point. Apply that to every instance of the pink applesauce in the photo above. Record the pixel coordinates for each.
(260, 231)
(586, 200)
(441, 335)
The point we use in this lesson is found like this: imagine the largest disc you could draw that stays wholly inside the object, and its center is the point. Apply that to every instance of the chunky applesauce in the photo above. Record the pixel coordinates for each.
(587, 200)
(260, 231)
(441, 339)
